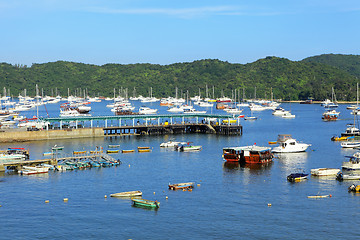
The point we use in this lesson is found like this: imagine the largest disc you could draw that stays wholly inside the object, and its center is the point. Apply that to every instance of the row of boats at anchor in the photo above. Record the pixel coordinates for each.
(138, 201)
(67, 165)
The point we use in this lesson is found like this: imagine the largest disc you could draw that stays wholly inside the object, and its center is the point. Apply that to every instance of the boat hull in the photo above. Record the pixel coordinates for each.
(127, 194)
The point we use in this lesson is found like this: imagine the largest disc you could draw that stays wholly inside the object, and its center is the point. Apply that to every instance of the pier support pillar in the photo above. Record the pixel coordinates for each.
(105, 122)
(61, 125)
(76, 123)
(119, 122)
(91, 123)
(133, 122)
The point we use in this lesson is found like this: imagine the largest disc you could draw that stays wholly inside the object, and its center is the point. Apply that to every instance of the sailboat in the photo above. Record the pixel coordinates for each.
(355, 108)
(330, 104)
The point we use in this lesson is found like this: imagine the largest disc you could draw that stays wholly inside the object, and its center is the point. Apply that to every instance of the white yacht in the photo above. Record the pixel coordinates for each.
(289, 145)
(147, 110)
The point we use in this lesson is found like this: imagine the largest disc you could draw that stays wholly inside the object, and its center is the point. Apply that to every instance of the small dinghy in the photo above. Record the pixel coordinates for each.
(179, 186)
(320, 196)
(139, 202)
(127, 194)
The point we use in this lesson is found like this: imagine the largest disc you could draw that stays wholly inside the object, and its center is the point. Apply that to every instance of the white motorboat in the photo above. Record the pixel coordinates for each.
(175, 109)
(340, 176)
(171, 144)
(206, 104)
(233, 110)
(350, 144)
(83, 109)
(324, 171)
(288, 115)
(289, 145)
(26, 170)
(147, 110)
(255, 107)
(279, 111)
(193, 111)
(353, 163)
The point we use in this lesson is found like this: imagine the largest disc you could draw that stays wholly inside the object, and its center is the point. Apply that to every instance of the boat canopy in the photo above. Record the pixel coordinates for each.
(283, 137)
(253, 148)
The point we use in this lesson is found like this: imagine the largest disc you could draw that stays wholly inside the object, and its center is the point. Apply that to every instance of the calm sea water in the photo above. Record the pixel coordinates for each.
(230, 202)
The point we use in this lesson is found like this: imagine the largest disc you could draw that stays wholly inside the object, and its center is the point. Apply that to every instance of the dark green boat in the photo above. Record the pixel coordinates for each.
(145, 203)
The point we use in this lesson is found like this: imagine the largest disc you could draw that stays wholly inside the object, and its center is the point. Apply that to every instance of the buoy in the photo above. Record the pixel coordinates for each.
(330, 195)
(129, 165)
(66, 199)
(154, 193)
(198, 185)
(165, 197)
(269, 204)
(47, 201)
(105, 196)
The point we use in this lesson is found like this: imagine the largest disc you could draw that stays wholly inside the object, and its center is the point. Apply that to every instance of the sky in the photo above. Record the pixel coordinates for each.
(171, 31)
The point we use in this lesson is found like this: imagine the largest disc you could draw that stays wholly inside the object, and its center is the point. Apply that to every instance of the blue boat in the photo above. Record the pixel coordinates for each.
(296, 177)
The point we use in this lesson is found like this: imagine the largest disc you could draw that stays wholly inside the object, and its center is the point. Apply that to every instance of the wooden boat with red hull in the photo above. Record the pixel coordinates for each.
(248, 154)
(181, 186)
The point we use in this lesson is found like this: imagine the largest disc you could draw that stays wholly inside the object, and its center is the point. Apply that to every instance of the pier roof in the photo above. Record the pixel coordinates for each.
(147, 116)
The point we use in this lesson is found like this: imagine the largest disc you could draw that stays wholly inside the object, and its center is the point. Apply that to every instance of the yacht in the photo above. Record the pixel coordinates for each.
(147, 110)
(353, 163)
(289, 145)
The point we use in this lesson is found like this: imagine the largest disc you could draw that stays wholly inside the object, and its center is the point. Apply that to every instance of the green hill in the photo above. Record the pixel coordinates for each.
(348, 63)
(288, 79)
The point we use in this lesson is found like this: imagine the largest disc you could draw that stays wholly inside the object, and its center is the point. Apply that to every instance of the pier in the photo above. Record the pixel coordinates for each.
(100, 126)
(17, 165)
(153, 124)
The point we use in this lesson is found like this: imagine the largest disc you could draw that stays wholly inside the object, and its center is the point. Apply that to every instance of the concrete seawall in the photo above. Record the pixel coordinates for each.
(23, 136)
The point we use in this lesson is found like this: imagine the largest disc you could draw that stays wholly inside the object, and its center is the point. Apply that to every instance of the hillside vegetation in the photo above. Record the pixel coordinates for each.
(312, 77)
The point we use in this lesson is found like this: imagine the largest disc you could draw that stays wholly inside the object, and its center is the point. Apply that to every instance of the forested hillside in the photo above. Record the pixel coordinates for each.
(288, 79)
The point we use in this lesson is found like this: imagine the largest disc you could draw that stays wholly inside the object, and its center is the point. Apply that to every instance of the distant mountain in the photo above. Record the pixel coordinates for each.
(348, 63)
(286, 79)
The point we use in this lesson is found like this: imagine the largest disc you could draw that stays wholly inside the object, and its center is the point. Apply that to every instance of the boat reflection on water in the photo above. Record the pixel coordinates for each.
(232, 166)
(292, 161)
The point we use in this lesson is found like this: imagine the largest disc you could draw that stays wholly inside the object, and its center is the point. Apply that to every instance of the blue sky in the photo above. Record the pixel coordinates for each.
(170, 31)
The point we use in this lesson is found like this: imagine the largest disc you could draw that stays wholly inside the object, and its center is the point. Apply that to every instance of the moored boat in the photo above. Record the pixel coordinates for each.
(127, 194)
(289, 145)
(342, 177)
(27, 170)
(324, 171)
(248, 154)
(320, 196)
(354, 188)
(171, 144)
(145, 203)
(79, 152)
(114, 146)
(179, 186)
(128, 151)
(112, 151)
(353, 163)
(350, 144)
(143, 150)
(189, 148)
(296, 177)
(330, 115)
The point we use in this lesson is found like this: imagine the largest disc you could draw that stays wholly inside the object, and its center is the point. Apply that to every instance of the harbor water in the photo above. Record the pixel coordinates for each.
(228, 201)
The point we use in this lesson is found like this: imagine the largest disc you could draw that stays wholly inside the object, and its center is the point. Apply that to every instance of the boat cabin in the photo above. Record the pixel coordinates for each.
(248, 154)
